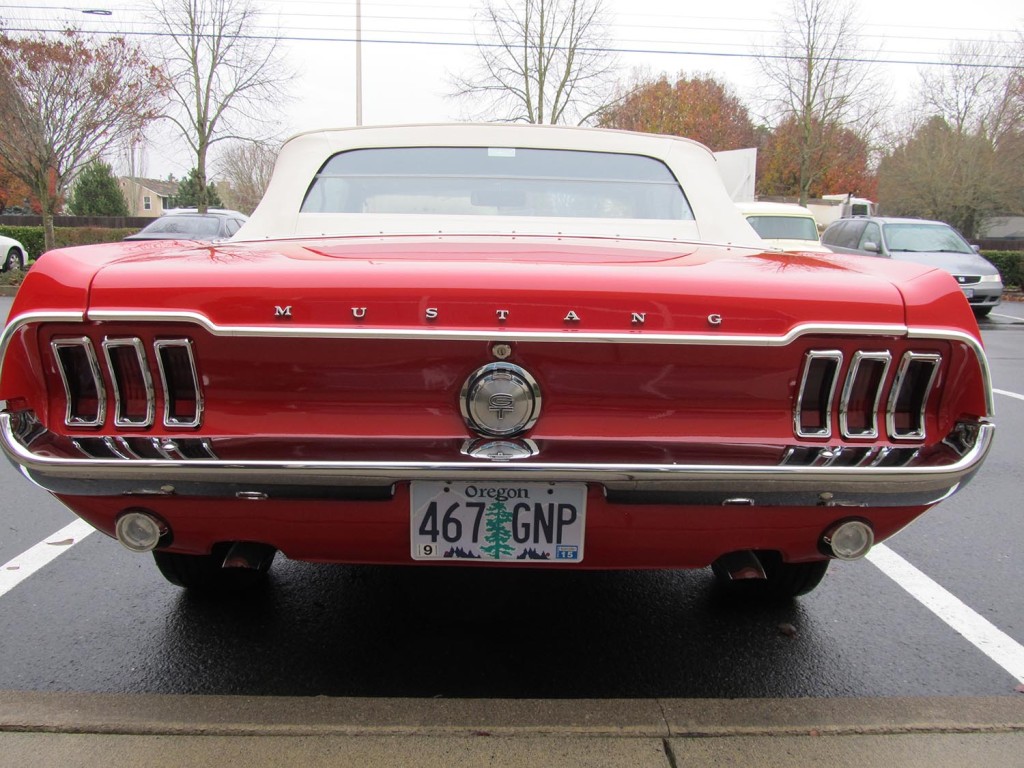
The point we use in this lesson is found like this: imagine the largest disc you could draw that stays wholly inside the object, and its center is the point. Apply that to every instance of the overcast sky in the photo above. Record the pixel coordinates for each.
(411, 46)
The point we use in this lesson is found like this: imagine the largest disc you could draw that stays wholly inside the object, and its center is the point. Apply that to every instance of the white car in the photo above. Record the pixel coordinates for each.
(12, 254)
(784, 225)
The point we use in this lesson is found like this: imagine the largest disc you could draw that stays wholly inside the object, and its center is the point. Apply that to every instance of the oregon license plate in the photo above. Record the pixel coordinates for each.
(968, 292)
(507, 522)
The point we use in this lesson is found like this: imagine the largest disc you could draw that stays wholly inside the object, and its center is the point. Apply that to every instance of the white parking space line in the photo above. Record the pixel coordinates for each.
(15, 571)
(1008, 317)
(1007, 394)
(979, 631)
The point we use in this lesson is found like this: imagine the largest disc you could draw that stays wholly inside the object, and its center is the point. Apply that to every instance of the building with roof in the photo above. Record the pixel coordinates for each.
(148, 197)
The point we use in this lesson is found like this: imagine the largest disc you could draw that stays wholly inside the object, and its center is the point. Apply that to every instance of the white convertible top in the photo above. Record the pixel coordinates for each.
(715, 217)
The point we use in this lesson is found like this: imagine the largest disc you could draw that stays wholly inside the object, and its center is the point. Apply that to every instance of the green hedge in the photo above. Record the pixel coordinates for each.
(1010, 265)
(69, 236)
(32, 237)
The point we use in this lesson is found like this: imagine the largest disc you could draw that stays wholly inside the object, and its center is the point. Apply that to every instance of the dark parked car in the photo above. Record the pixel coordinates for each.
(924, 242)
(191, 225)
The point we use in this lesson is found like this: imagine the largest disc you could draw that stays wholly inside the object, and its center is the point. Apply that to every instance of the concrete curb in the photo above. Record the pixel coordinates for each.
(157, 714)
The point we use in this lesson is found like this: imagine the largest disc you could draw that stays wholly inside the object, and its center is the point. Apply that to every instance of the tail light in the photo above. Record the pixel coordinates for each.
(817, 394)
(134, 399)
(131, 380)
(183, 404)
(862, 394)
(909, 397)
(83, 383)
(865, 385)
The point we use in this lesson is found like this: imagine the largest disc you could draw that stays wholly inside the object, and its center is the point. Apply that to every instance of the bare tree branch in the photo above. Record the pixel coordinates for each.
(224, 78)
(540, 61)
(961, 163)
(247, 167)
(824, 85)
(978, 90)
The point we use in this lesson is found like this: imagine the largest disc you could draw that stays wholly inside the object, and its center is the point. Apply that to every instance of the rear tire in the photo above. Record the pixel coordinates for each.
(205, 573)
(783, 580)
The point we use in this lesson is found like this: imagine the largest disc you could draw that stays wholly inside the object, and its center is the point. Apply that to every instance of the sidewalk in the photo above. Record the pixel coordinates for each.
(51, 729)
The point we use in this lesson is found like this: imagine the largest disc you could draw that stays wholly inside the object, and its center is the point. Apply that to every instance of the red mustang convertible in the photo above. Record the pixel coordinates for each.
(512, 346)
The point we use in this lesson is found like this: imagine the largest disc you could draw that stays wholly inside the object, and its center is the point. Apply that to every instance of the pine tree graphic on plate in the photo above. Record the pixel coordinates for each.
(498, 531)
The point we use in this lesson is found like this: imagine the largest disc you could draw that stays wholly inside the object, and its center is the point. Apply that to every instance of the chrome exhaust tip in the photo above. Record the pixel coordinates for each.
(739, 566)
(249, 555)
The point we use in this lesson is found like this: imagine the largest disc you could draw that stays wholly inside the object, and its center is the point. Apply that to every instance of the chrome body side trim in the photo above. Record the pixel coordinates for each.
(786, 484)
(634, 337)
(501, 334)
(574, 336)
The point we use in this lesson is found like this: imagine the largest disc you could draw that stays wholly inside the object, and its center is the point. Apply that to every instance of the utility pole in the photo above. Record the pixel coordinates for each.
(359, 63)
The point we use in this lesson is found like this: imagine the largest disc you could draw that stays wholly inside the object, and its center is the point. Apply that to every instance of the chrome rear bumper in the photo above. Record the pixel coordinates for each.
(916, 483)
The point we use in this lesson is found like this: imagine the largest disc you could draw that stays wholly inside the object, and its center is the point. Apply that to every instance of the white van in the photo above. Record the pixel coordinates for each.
(784, 225)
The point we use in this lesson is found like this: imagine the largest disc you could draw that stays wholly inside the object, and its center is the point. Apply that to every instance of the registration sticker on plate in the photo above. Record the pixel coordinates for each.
(510, 522)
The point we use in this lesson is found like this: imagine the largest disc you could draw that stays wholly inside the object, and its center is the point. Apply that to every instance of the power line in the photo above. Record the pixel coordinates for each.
(596, 49)
(661, 26)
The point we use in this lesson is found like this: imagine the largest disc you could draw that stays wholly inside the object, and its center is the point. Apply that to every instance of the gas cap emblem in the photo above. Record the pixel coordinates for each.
(500, 400)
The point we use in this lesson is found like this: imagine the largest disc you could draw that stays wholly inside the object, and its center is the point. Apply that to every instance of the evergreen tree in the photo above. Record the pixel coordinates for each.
(96, 193)
(188, 193)
(498, 531)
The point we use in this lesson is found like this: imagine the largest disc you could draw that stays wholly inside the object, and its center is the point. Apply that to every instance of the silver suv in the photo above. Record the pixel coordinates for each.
(925, 242)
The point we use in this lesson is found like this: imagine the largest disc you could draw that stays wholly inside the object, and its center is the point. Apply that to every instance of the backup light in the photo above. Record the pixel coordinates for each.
(139, 531)
(848, 540)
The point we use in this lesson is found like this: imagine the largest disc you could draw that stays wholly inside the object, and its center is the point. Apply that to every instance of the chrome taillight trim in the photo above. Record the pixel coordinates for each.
(813, 357)
(910, 359)
(916, 369)
(885, 358)
(140, 368)
(70, 419)
(145, 449)
(170, 420)
(135, 343)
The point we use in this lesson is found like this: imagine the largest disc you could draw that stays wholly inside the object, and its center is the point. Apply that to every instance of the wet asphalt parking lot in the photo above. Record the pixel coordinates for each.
(97, 618)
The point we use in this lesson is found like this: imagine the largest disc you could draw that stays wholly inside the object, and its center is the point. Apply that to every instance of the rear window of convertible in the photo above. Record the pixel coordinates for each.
(497, 181)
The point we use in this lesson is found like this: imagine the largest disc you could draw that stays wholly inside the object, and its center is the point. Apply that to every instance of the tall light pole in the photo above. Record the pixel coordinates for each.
(359, 62)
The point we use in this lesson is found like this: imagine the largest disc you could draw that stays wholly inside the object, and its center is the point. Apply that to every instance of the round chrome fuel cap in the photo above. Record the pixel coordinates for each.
(500, 399)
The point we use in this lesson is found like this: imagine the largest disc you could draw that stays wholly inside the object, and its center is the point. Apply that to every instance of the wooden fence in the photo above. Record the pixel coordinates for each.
(999, 244)
(106, 222)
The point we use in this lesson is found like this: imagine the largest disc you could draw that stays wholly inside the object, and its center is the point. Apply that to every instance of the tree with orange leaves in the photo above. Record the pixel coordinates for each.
(13, 191)
(700, 108)
(63, 102)
(840, 159)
